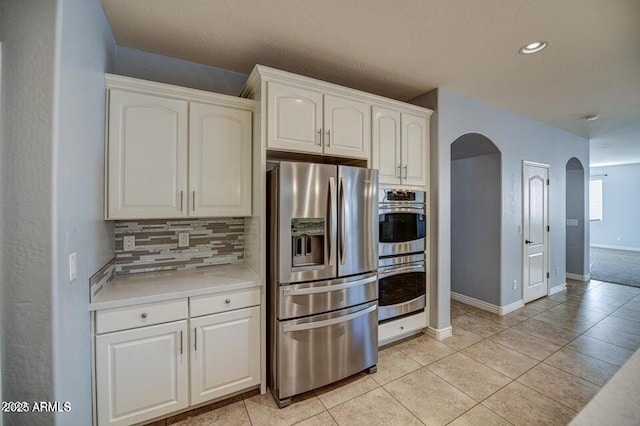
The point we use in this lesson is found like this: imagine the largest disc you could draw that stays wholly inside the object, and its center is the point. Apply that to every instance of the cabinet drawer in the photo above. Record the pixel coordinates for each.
(221, 302)
(394, 330)
(140, 315)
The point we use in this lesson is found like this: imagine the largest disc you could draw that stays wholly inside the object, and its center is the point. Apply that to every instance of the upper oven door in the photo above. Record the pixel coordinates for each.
(402, 230)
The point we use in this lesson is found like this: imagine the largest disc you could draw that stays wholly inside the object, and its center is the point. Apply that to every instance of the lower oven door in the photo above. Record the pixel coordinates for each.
(402, 290)
(321, 349)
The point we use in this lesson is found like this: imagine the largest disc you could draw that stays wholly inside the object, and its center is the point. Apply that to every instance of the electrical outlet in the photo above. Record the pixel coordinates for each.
(619, 238)
(73, 270)
(183, 239)
(515, 284)
(129, 242)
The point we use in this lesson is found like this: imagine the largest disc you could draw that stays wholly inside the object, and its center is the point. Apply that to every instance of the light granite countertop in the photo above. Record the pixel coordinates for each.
(135, 289)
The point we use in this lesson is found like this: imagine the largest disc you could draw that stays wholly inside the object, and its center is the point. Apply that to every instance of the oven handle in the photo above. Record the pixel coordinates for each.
(396, 271)
(328, 288)
(399, 209)
(326, 323)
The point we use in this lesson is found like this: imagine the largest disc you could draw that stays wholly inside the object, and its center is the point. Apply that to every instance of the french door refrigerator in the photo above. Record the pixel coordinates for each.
(323, 286)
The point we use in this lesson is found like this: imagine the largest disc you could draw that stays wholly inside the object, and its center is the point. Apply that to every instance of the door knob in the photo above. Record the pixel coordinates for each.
(527, 242)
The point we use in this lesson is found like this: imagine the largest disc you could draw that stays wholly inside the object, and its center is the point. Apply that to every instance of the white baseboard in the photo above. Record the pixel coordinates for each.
(440, 333)
(605, 246)
(504, 310)
(481, 304)
(557, 289)
(578, 277)
(485, 306)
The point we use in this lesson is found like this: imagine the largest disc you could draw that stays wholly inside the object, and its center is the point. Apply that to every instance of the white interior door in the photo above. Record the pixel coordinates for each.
(535, 193)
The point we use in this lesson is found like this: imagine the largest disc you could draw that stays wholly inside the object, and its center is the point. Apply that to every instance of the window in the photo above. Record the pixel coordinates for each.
(595, 199)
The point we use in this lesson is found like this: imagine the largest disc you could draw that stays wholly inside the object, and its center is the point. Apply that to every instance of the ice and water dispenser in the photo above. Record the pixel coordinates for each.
(307, 242)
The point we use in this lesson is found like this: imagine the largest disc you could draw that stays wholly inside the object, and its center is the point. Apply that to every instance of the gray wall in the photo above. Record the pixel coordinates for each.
(86, 49)
(28, 34)
(575, 207)
(621, 207)
(164, 69)
(518, 138)
(475, 231)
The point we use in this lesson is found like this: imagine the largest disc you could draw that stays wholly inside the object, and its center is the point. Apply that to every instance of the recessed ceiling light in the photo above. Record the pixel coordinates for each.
(591, 117)
(533, 47)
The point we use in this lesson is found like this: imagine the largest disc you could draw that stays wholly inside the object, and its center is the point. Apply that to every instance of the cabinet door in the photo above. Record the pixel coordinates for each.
(386, 145)
(147, 156)
(219, 161)
(415, 149)
(347, 127)
(225, 353)
(294, 119)
(141, 373)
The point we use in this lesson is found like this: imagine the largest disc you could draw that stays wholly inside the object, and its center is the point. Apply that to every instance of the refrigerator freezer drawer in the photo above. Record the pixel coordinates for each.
(298, 300)
(322, 349)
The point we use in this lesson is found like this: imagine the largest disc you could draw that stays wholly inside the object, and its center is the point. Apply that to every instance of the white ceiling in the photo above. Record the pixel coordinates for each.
(401, 49)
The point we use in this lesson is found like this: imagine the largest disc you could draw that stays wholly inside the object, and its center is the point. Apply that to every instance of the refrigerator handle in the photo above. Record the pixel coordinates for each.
(288, 328)
(332, 218)
(344, 213)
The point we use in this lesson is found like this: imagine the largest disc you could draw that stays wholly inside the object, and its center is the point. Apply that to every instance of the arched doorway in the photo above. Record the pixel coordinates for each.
(575, 216)
(476, 200)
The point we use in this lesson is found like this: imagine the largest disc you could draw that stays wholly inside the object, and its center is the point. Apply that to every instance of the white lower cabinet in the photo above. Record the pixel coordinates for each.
(141, 373)
(225, 353)
(151, 357)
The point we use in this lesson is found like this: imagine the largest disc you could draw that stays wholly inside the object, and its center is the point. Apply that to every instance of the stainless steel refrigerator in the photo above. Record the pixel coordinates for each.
(323, 287)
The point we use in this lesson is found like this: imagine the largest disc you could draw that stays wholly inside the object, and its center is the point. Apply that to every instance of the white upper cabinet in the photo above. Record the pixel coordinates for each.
(386, 144)
(219, 161)
(295, 119)
(174, 152)
(147, 156)
(305, 115)
(400, 147)
(308, 121)
(415, 148)
(347, 127)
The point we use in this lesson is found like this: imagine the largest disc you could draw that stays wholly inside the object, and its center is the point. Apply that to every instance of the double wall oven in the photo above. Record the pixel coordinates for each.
(401, 249)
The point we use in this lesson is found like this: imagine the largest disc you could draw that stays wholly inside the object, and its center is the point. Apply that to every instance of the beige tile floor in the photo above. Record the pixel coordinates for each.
(538, 365)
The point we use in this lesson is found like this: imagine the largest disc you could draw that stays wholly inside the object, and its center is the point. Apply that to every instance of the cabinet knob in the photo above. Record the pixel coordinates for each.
(144, 315)
(227, 301)
(401, 327)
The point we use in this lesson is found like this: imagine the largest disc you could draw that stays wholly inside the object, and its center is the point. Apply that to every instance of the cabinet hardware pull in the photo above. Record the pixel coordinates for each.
(180, 342)
(406, 174)
(399, 175)
(144, 315)
(181, 200)
(195, 339)
(328, 137)
(227, 301)
(319, 138)
(193, 206)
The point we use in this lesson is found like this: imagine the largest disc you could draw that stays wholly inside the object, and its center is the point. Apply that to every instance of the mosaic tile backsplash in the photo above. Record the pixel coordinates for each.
(211, 242)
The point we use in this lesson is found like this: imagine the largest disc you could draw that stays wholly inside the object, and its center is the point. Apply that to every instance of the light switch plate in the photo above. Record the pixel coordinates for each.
(73, 269)
(183, 239)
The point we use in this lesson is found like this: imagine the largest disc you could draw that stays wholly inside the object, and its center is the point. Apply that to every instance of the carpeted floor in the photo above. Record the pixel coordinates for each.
(615, 266)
